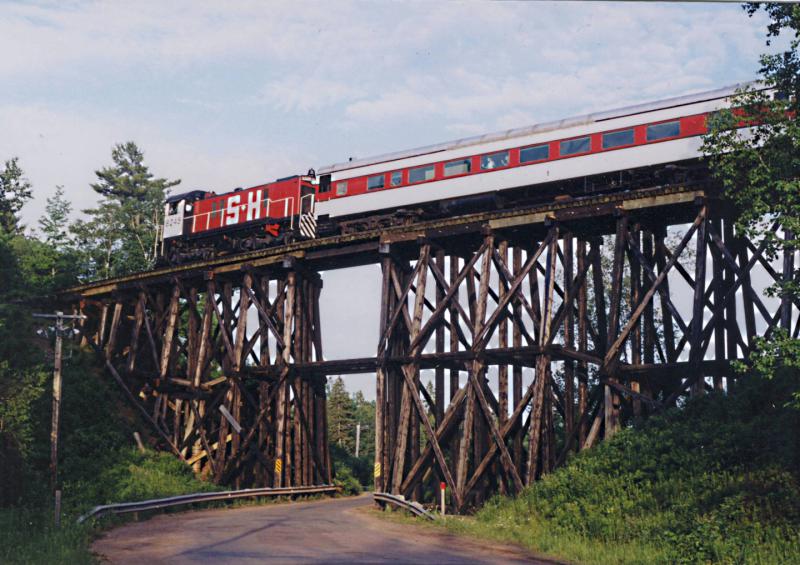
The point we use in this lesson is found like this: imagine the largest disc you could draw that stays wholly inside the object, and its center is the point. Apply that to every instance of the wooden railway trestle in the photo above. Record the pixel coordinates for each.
(529, 363)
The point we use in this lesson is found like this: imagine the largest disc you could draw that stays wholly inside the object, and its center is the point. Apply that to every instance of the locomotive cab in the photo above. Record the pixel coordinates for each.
(179, 212)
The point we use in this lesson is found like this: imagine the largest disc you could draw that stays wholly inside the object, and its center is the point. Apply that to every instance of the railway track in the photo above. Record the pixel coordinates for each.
(333, 250)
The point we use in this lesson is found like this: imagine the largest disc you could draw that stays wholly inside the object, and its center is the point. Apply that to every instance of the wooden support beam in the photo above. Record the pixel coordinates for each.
(537, 410)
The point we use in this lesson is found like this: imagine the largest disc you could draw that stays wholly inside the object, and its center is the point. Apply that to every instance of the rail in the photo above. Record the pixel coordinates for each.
(157, 503)
(400, 501)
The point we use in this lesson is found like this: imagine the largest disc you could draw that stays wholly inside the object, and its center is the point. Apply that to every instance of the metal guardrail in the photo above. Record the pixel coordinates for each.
(155, 504)
(400, 501)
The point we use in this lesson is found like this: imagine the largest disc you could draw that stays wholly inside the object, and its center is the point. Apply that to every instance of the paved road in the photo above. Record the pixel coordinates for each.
(326, 531)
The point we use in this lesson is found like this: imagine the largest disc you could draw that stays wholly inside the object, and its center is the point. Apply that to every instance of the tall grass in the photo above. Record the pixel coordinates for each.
(28, 536)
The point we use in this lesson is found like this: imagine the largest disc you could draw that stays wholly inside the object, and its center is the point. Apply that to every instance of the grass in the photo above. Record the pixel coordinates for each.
(715, 482)
(27, 534)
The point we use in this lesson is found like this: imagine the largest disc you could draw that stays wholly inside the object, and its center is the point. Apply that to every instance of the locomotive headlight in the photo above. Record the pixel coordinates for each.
(188, 208)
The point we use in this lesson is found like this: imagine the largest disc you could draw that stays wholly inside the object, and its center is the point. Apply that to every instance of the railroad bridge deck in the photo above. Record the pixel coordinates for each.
(342, 251)
(529, 362)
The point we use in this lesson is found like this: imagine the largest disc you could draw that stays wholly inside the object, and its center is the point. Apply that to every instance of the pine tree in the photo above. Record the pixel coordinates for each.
(15, 191)
(55, 222)
(341, 416)
(121, 235)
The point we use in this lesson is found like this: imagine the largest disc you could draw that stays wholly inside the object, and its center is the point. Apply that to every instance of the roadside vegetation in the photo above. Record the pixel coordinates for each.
(99, 465)
(98, 462)
(714, 482)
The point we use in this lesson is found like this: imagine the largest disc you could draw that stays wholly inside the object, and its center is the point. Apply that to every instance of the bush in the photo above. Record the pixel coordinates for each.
(357, 471)
(349, 484)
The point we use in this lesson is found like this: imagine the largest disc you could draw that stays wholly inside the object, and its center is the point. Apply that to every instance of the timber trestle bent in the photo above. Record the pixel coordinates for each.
(541, 331)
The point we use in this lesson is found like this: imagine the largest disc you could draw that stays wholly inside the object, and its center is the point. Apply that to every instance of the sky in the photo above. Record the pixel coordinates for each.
(238, 93)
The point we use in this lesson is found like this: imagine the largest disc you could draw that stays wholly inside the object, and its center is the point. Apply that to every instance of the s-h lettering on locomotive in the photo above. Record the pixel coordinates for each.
(645, 145)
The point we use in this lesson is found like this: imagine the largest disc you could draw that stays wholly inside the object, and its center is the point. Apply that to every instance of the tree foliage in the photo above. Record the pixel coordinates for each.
(55, 221)
(345, 411)
(15, 191)
(754, 150)
(121, 234)
(759, 165)
(341, 416)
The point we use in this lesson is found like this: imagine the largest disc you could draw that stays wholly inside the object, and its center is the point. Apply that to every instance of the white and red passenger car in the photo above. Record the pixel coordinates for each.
(627, 139)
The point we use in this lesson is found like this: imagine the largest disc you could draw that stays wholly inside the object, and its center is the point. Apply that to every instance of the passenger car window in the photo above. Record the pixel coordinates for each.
(375, 182)
(421, 174)
(495, 160)
(397, 178)
(538, 153)
(341, 188)
(617, 139)
(460, 167)
(662, 131)
(573, 146)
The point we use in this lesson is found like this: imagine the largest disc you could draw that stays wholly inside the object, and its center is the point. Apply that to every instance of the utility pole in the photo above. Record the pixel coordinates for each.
(56, 419)
(358, 437)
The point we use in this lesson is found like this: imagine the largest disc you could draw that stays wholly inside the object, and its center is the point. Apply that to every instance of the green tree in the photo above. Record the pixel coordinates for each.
(341, 416)
(55, 221)
(15, 191)
(54, 255)
(759, 168)
(121, 233)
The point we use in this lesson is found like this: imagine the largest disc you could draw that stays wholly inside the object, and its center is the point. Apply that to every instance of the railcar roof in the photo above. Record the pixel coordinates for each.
(539, 128)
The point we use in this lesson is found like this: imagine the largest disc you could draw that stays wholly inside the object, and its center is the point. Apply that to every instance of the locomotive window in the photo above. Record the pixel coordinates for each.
(573, 146)
(662, 131)
(324, 184)
(173, 208)
(530, 154)
(494, 161)
(617, 139)
(375, 182)
(420, 174)
(397, 178)
(341, 188)
(460, 167)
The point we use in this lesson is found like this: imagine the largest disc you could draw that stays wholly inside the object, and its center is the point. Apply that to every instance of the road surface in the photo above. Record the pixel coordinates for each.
(340, 530)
